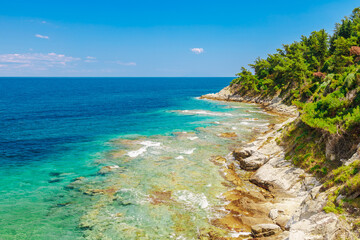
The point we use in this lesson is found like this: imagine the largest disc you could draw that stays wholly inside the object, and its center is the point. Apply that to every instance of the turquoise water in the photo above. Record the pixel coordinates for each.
(114, 158)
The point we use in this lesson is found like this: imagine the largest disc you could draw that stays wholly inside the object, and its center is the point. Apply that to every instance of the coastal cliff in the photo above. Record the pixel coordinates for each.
(309, 166)
(292, 201)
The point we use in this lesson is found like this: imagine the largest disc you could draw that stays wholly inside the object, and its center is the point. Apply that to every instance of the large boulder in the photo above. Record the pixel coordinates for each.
(277, 175)
(320, 226)
(249, 159)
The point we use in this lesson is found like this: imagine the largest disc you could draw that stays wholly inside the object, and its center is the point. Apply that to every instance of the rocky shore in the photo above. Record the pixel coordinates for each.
(289, 203)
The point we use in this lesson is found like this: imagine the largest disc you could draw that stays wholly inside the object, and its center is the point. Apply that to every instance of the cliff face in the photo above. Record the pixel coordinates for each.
(299, 200)
(317, 81)
(300, 193)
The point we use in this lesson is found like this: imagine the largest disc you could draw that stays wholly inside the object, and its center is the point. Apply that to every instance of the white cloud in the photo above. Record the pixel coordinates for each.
(41, 36)
(35, 60)
(197, 50)
(90, 59)
(126, 63)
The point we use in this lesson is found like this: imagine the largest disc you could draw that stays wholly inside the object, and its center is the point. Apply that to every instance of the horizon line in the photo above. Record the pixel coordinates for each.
(101, 77)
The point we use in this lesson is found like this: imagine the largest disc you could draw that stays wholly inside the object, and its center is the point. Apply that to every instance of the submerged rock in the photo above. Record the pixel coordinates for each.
(55, 180)
(228, 135)
(108, 169)
(158, 197)
(218, 160)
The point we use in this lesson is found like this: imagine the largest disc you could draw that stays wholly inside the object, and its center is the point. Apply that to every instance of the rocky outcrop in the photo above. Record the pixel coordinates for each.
(292, 198)
(271, 104)
(297, 208)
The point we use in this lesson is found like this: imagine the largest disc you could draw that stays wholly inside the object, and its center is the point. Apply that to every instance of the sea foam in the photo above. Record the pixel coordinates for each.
(192, 199)
(203, 112)
(143, 149)
(190, 151)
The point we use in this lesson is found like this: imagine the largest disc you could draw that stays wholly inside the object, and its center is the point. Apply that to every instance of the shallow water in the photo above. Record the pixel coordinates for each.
(104, 159)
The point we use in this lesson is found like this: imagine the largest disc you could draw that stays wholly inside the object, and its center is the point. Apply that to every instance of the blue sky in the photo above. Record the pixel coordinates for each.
(152, 38)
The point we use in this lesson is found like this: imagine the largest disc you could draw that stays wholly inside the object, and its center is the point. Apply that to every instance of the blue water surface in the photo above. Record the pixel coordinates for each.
(53, 129)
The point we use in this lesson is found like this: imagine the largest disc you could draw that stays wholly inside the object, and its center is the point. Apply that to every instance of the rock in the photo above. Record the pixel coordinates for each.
(54, 180)
(264, 230)
(231, 222)
(297, 235)
(224, 94)
(247, 207)
(108, 169)
(312, 206)
(320, 226)
(274, 213)
(282, 222)
(63, 204)
(228, 135)
(218, 160)
(242, 153)
(274, 176)
(252, 162)
(314, 192)
(158, 197)
(231, 176)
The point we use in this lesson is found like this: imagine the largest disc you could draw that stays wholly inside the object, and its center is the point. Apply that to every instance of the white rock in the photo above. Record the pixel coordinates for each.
(274, 213)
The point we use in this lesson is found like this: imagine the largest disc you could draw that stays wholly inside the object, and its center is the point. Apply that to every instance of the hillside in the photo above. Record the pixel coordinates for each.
(320, 75)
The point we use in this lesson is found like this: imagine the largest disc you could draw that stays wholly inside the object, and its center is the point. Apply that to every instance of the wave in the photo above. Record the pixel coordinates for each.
(190, 151)
(143, 149)
(192, 199)
(192, 138)
(203, 112)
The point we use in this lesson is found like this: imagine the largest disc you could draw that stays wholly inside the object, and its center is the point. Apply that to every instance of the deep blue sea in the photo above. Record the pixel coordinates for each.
(58, 131)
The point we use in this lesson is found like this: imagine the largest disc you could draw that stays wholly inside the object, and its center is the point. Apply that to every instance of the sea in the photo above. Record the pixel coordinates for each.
(116, 158)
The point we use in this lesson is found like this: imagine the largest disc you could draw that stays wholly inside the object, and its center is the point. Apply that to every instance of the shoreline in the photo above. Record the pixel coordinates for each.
(270, 105)
(290, 202)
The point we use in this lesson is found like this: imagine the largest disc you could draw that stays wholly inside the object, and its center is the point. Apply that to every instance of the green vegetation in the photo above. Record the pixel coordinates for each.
(305, 150)
(320, 74)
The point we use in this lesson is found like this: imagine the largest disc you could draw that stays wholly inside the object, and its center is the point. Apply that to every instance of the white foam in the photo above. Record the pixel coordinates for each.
(136, 195)
(192, 138)
(190, 151)
(150, 144)
(143, 149)
(234, 128)
(137, 152)
(192, 199)
(244, 123)
(238, 234)
(179, 157)
(114, 167)
(263, 125)
(203, 112)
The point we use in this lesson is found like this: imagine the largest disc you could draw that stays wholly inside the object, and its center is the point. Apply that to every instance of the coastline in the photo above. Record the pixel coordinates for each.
(289, 204)
(272, 105)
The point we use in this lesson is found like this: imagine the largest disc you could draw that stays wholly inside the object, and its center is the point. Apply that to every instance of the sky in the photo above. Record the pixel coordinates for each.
(153, 38)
